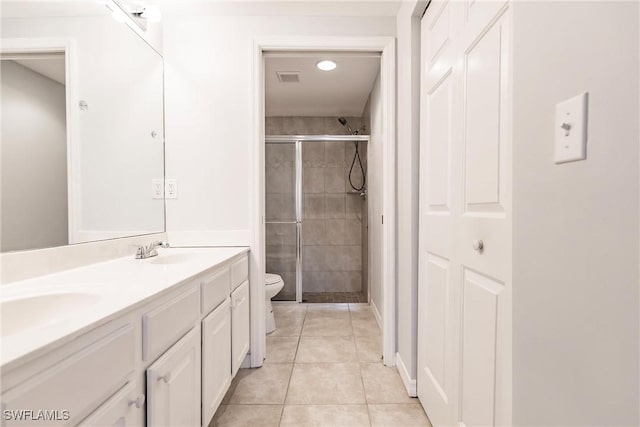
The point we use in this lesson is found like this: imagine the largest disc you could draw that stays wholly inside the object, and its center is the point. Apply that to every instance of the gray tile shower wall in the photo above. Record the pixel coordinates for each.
(307, 125)
(332, 235)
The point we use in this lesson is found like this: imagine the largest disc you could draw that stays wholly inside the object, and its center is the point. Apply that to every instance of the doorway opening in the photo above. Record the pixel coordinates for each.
(380, 218)
(318, 124)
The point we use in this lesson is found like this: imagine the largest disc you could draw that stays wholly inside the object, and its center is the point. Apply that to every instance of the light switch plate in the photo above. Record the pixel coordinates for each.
(171, 189)
(571, 129)
(157, 188)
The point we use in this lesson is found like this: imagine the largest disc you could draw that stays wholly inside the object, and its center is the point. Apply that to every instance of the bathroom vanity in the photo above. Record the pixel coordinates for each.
(126, 342)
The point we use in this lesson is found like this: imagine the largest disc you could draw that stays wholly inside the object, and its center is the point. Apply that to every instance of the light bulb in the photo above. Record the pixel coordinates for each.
(326, 65)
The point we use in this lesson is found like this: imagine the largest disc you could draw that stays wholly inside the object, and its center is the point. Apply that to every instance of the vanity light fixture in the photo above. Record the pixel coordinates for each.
(326, 65)
(150, 13)
(125, 11)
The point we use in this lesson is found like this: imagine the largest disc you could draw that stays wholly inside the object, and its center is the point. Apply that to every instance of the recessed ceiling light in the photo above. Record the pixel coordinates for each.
(326, 65)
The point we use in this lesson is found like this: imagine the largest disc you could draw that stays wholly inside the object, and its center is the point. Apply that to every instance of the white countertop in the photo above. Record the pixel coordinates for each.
(110, 288)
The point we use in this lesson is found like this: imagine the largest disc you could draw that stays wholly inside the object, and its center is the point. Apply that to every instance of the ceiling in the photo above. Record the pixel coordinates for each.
(281, 7)
(51, 67)
(341, 92)
(49, 8)
(360, 8)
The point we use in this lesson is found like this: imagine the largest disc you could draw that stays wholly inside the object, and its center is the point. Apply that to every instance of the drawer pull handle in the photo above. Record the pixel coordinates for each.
(138, 401)
(166, 378)
(478, 245)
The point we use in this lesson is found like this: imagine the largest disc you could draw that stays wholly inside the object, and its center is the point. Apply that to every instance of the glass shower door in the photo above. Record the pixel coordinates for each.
(281, 222)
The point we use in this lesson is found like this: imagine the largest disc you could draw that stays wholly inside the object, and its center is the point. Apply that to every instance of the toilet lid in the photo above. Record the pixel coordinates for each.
(270, 279)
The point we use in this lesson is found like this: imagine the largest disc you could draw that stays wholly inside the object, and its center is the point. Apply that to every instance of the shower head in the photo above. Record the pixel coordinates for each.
(345, 123)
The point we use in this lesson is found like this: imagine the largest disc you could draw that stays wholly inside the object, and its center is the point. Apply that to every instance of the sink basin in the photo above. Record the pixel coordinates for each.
(171, 259)
(21, 314)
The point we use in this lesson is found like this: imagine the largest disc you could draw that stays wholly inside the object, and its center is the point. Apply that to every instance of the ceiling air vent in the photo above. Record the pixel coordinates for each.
(288, 76)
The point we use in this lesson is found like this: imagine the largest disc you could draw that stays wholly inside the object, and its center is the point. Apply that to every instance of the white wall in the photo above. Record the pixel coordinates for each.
(34, 160)
(375, 152)
(575, 226)
(209, 111)
(408, 125)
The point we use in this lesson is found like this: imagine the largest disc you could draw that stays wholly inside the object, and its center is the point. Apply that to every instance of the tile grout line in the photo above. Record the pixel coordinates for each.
(364, 390)
(293, 366)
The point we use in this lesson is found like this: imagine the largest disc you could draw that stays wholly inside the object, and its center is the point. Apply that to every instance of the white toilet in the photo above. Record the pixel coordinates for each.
(273, 284)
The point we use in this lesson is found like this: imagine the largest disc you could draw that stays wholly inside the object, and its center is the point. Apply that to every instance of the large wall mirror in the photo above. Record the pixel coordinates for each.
(82, 136)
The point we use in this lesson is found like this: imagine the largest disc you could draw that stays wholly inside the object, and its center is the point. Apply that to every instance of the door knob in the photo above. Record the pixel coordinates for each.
(138, 401)
(166, 378)
(478, 245)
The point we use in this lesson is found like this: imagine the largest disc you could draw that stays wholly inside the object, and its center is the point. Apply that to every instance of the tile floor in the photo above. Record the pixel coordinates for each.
(323, 369)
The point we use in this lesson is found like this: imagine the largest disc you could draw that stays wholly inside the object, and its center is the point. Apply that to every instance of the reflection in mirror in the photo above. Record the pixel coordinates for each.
(82, 140)
(34, 151)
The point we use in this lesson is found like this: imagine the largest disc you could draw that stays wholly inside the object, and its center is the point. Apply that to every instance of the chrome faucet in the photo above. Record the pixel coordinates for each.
(150, 250)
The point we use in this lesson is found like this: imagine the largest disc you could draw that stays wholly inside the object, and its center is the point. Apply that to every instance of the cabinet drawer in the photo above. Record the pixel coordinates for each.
(215, 288)
(80, 383)
(164, 325)
(239, 272)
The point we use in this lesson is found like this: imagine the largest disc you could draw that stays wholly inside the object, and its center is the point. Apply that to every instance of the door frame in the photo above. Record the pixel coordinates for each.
(68, 47)
(387, 47)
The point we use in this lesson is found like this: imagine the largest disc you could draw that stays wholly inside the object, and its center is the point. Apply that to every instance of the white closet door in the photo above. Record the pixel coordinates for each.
(464, 341)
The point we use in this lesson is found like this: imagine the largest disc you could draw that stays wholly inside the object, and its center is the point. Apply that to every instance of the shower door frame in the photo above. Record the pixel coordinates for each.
(298, 140)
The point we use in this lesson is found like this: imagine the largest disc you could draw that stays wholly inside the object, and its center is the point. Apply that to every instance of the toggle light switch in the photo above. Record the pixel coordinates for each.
(571, 129)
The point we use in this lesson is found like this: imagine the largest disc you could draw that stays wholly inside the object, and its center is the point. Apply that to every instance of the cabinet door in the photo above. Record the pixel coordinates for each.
(173, 384)
(239, 325)
(125, 408)
(216, 359)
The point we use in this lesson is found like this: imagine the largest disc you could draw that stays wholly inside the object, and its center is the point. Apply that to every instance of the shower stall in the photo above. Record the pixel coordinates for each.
(316, 216)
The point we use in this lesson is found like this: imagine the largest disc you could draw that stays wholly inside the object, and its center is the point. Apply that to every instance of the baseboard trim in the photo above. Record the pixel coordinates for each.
(409, 384)
(246, 363)
(376, 313)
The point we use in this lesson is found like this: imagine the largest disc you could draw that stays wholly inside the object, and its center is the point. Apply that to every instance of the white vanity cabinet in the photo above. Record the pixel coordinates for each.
(240, 328)
(167, 360)
(125, 408)
(216, 359)
(173, 384)
(240, 312)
